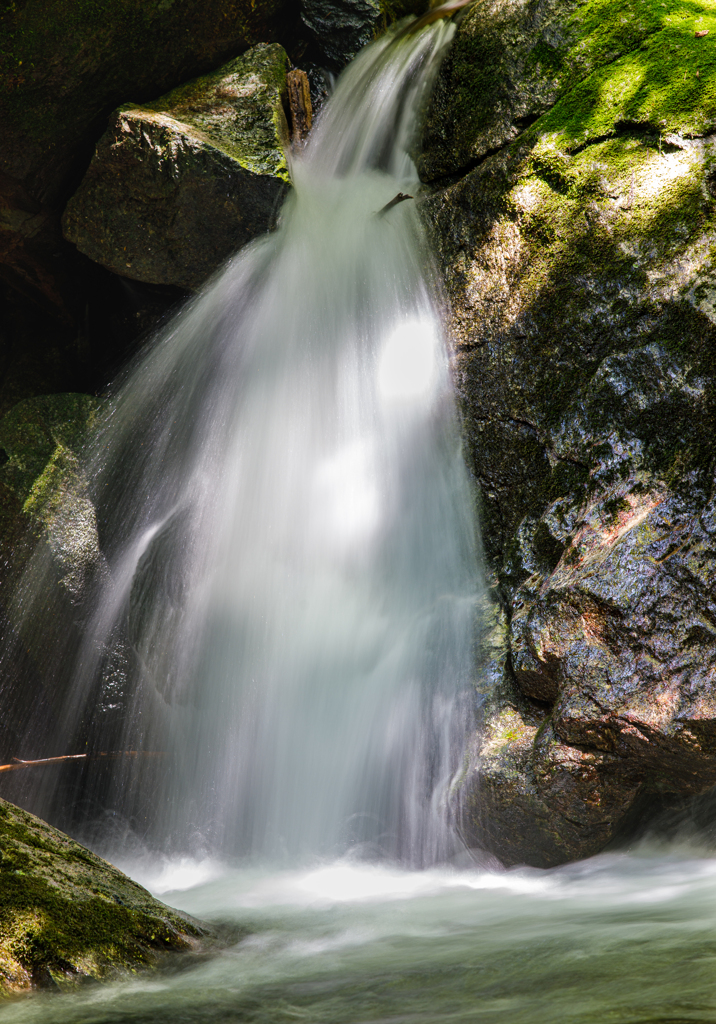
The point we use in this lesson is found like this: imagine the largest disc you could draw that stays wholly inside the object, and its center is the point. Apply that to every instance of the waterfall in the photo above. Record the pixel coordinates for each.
(284, 621)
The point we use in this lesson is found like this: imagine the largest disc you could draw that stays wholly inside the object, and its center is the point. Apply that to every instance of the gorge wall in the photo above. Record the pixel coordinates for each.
(569, 153)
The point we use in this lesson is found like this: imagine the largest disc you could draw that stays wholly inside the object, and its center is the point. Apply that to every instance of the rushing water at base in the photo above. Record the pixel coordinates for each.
(626, 939)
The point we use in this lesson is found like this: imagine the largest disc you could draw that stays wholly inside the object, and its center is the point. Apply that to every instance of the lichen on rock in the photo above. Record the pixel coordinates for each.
(576, 228)
(179, 184)
(66, 915)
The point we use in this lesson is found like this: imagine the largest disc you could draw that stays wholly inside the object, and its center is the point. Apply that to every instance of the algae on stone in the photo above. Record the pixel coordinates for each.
(177, 185)
(41, 438)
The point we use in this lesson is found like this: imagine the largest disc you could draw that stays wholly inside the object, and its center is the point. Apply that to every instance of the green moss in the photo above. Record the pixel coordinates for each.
(41, 436)
(68, 914)
(667, 84)
(593, 69)
(229, 109)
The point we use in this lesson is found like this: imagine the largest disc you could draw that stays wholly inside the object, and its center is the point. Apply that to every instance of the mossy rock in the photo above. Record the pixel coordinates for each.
(65, 65)
(66, 915)
(40, 440)
(586, 69)
(579, 255)
(179, 184)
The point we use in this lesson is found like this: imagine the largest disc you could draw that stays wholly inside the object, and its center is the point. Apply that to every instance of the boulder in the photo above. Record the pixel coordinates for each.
(65, 67)
(341, 27)
(573, 211)
(177, 185)
(67, 915)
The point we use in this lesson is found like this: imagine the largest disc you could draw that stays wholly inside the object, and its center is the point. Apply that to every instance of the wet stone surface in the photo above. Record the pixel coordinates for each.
(579, 259)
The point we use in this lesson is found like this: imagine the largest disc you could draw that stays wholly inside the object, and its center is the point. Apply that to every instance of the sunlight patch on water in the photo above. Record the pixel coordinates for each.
(407, 367)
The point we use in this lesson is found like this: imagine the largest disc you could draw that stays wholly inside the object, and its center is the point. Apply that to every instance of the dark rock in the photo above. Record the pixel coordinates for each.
(579, 258)
(66, 66)
(341, 27)
(68, 915)
(178, 185)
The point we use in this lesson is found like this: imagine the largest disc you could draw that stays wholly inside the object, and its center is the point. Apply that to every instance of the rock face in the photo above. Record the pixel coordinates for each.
(46, 519)
(574, 214)
(68, 915)
(42, 482)
(342, 27)
(177, 185)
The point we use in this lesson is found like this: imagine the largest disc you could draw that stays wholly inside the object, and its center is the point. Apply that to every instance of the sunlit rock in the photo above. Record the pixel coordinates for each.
(177, 185)
(578, 252)
(67, 915)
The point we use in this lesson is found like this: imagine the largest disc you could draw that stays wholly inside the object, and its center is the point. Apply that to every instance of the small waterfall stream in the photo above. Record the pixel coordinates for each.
(287, 615)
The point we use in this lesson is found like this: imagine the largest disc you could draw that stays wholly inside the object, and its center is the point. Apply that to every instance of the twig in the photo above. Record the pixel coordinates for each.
(17, 763)
(400, 198)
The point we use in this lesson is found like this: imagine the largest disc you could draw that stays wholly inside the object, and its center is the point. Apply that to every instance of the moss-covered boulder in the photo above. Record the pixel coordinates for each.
(65, 65)
(577, 232)
(67, 915)
(43, 488)
(177, 185)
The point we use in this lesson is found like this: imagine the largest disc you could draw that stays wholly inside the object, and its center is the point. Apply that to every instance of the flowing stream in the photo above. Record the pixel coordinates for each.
(625, 939)
(286, 619)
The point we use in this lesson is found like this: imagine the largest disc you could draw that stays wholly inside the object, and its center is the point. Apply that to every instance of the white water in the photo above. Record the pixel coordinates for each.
(627, 939)
(289, 528)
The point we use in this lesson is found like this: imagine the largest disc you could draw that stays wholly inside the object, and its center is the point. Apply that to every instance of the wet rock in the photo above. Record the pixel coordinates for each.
(341, 27)
(67, 915)
(178, 185)
(579, 258)
(65, 67)
(41, 476)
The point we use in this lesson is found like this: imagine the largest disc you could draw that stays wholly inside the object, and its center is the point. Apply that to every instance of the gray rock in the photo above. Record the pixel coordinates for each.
(579, 259)
(176, 186)
(342, 27)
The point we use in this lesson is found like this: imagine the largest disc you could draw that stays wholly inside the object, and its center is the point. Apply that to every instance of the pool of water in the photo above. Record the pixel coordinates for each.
(619, 938)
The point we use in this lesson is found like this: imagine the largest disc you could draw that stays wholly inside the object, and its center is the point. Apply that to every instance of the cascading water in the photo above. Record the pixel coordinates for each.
(291, 579)
(286, 615)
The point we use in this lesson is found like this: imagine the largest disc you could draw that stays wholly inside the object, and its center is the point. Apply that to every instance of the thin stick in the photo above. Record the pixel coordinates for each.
(17, 764)
(444, 11)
